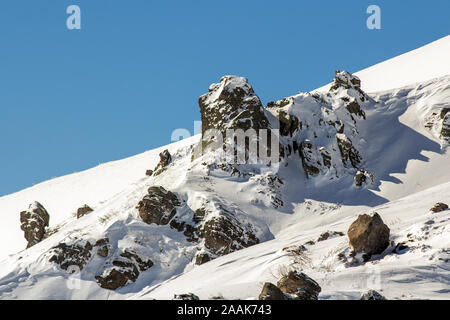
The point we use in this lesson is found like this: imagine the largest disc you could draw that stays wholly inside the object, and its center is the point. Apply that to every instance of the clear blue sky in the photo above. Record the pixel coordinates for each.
(70, 100)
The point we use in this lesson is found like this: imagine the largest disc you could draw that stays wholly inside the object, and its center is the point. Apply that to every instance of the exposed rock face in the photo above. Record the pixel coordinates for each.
(158, 206)
(271, 292)
(125, 269)
(445, 131)
(300, 285)
(224, 234)
(69, 255)
(438, 207)
(355, 96)
(165, 158)
(83, 210)
(369, 235)
(348, 151)
(372, 295)
(34, 221)
(311, 159)
(232, 104)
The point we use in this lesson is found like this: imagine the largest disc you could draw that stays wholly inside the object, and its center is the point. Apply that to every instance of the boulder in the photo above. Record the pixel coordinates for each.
(271, 292)
(125, 269)
(438, 207)
(69, 255)
(158, 206)
(186, 297)
(363, 177)
(299, 285)
(34, 222)
(103, 247)
(372, 295)
(83, 210)
(149, 172)
(368, 235)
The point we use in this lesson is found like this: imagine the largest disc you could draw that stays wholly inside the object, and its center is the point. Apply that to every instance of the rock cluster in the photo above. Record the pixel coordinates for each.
(158, 206)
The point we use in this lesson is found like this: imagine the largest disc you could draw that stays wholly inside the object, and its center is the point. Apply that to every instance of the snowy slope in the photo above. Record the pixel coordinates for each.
(425, 63)
(410, 164)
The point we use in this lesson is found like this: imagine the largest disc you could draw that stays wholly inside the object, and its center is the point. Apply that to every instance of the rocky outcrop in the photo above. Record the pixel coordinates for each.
(83, 210)
(103, 247)
(165, 158)
(438, 207)
(34, 222)
(299, 286)
(158, 206)
(372, 295)
(70, 255)
(271, 292)
(224, 234)
(123, 270)
(311, 159)
(368, 235)
(445, 131)
(350, 155)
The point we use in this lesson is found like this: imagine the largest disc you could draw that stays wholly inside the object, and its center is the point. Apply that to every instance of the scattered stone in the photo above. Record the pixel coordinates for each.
(438, 207)
(368, 235)
(326, 235)
(372, 295)
(271, 292)
(69, 255)
(34, 222)
(158, 206)
(83, 210)
(186, 297)
(149, 173)
(296, 250)
(363, 177)
(300, 285)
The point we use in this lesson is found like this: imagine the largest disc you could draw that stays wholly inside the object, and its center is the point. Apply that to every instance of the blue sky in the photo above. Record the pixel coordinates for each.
(71, 99)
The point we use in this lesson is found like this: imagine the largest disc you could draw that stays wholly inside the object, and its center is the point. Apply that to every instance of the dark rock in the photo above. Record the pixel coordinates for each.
(372, 295)
(34, 222)
(438, 207)
(300, 285)
(444, 112)
(158, 206)
(326, 235)
(368, 234)
(149, 172)
(164, 160)
(225, 234)
(69, 255)
(271, 292)
(445, 131)
(348, 151)
(83, 210)
(363, 177)
(186, 297)
(231, 104)
(288, 123)
(103, 247)
(125, 269)
(310, 159)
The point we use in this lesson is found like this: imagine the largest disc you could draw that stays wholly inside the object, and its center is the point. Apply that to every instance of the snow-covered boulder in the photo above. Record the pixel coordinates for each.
(438, 207)
(83, 210)
(34, 222)
(372, 295)
(158, 206)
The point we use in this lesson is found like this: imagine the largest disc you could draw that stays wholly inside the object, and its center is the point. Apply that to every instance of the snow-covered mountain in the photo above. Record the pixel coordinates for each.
(174, 220)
